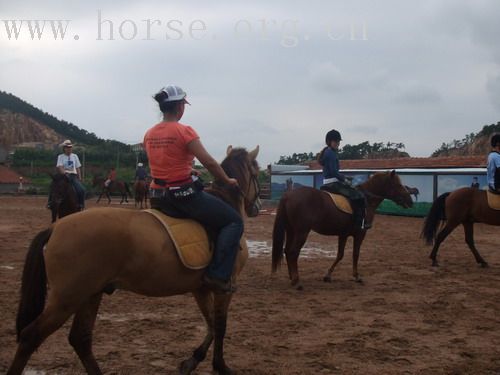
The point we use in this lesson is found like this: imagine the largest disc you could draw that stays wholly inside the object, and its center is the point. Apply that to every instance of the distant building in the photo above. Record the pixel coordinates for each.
(10, 180)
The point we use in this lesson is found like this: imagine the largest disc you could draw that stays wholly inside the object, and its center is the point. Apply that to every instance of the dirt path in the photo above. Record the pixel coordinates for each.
(405, 318)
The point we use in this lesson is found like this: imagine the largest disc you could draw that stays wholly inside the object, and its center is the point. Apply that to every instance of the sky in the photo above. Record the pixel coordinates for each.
(277, 74)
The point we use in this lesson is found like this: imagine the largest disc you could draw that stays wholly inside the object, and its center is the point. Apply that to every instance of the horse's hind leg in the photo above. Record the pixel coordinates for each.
(469, 239)
(445, 232)
(205, 302)
(292, 251)
(31, 337)
(221, 306)
(340, 255)
(356, 248)
(80, 336)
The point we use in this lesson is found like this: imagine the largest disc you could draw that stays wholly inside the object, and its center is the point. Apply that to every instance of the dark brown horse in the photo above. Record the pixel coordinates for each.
(115, 186)
(464, 206)
(306, 209)
(141, 188)
(120, 249)
(63, 198)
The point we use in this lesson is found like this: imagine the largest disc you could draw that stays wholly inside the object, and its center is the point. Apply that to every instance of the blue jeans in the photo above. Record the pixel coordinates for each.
(215, 215)
(80, 190)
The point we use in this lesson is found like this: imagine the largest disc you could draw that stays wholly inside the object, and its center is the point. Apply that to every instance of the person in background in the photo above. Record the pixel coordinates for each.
(493, 167)
(69, 164)
(171, 148)
(111, 178)
(335, 182)
(475, 183)
(140, 173)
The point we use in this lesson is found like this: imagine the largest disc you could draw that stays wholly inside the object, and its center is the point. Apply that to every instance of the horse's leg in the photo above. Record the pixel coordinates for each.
(292, 255)
(445, 232)
(469, 239)
(100, 196)
(31, 337)
(108, 196)
(205, 302)
(80, 336)
(358, 240)
(221, 306)
(340, 255)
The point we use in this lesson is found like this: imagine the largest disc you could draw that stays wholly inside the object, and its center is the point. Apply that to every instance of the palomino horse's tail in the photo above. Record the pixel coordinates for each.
(34, 283)
(279, 231)
(435, 217)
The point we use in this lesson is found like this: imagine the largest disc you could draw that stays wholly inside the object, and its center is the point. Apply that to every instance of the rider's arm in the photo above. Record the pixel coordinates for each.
(59, 165)
(332, 165)
(196, 148)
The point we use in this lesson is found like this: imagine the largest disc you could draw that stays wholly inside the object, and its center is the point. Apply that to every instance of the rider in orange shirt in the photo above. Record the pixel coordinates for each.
(171, 148)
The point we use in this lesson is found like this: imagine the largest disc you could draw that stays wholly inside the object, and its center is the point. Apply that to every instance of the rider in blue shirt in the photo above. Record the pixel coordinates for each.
(493, 168)
(335, 182)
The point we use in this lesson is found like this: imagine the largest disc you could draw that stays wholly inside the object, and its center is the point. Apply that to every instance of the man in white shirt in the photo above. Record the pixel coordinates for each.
(69, 164)
(493, 168)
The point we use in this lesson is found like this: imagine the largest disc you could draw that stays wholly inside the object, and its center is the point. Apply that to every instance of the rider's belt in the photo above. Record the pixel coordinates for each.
(330, 180)
(165, 183)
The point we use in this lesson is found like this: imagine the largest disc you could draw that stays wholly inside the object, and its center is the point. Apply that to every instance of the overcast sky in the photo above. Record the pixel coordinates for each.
(279, 74)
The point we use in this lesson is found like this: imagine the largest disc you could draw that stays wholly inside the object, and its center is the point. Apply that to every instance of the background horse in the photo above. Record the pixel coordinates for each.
(117, 248)
(63, 197)
(306, 209)
(413, 191)
(464, 206)
(115, 186)
(141, 188)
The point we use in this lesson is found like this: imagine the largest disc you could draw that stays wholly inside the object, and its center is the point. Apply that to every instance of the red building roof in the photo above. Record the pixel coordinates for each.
(398, 163)
(8, 176)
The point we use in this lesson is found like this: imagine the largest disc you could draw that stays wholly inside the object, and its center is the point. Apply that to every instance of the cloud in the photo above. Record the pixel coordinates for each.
(331, 79)
(417, 94)
(493, 87)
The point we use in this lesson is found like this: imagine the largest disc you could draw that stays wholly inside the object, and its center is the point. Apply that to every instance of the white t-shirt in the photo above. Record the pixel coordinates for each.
(69, 163)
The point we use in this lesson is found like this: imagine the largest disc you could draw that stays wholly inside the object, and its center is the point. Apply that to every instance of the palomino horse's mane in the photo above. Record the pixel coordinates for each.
(235, 165)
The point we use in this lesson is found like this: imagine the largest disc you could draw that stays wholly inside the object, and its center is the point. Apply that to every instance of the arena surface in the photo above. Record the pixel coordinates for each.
(406, 318)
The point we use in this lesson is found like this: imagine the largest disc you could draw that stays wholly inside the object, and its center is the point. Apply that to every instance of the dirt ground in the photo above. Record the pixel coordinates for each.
(406, 318)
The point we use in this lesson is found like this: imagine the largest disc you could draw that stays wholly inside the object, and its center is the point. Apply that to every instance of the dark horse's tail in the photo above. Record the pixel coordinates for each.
(435, 217)
(279, 231)
(34, 283)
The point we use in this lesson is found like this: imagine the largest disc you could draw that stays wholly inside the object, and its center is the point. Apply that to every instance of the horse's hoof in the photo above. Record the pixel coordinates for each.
(188, 366)
(484, 264)
(435, 263)
(223, 370)
(358, 279)
(327, 279)
(299, 287)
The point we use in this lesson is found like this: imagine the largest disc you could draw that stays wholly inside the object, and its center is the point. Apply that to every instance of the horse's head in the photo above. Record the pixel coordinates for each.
(59, 188)
(242, 165)
(388, 185)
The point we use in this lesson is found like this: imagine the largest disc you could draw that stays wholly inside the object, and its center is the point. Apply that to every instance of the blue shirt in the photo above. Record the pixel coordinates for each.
(491, 169)
(140, 173)
(331, 165)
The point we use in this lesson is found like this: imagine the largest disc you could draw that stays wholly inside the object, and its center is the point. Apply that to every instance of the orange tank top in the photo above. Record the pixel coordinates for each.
(166, 146)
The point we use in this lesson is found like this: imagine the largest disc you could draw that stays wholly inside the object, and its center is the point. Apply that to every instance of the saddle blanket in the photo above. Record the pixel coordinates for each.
(189, 237)
(341, 202)
(493, 200)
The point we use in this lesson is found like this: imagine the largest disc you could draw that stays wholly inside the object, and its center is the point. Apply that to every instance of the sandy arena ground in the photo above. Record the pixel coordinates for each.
(406, 318)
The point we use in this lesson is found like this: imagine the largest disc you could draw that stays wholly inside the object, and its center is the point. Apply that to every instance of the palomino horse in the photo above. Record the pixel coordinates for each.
(464, 206)
(115, 186)
(306, 209)
(141, 193)
(63, 198)
(124, 249)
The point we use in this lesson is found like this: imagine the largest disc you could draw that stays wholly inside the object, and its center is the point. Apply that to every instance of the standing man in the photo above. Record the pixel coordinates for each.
(69, 164)
(493, 167)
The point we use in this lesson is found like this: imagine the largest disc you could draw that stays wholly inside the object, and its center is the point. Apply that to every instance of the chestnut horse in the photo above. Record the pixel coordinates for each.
(464, 206)
(306, 209)
(63, 198)
(118, 186)
(103, 249)
(141, 188)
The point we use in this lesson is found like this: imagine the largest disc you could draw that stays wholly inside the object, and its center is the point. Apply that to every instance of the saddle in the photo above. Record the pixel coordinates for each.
(341, 202)
(493, 200)
(193, 244)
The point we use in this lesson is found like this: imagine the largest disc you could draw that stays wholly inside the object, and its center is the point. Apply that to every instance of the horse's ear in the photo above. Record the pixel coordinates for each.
(229, 149)
(253, 154)
(393, 173)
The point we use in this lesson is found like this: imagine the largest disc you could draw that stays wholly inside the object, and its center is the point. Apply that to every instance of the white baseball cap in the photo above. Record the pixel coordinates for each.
(174, 94)
(139, 164)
